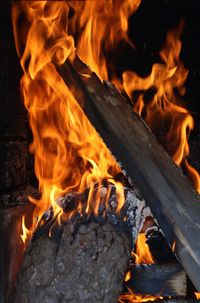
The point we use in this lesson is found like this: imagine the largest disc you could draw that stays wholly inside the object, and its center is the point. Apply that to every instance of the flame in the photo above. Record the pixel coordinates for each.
(165, 108)
(69, 155)
(26, 234)
(127, 276)
(142, 254)
(132, 298)
(197, 294)
(102, 24)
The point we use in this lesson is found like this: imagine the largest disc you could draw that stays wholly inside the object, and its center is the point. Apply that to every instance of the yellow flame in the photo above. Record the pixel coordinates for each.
(142, 254)
(69, 154)
(127, 276)
(132, 298)
(165, 107)
(26, 234)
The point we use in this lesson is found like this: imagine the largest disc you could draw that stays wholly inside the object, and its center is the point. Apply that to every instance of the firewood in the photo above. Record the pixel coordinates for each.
(170, 195)
(168, 280)
(85, 258)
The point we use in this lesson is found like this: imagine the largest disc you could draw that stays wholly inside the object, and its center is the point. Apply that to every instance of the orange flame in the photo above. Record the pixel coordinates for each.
(26, 234)
(102, 24)
(165, 108)
(69, 154)
(132, 298)
(197, 294)
(142, 254)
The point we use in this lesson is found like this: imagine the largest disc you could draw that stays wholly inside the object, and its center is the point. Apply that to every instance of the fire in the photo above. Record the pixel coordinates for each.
(132, 298)
(26, 234)
(69, 154)
(102, 24)
(165, 108)
(197, 294)
(142, 254)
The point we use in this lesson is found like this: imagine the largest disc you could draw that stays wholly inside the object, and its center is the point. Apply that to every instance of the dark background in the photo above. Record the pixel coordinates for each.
(147, 30)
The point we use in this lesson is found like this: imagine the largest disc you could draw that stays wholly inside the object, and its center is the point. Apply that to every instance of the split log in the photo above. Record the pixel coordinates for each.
(85, 258)
(167, 280)
(170, 195)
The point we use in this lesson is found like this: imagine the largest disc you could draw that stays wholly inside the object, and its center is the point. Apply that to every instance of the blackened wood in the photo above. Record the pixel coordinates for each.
(168, 280)
(158, 246)
(86, 257)
(170, 195)
(86, 265)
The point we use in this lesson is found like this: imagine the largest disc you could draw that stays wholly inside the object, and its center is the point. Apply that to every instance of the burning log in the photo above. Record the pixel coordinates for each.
(168, 280)
(170, 195)
(86, 257)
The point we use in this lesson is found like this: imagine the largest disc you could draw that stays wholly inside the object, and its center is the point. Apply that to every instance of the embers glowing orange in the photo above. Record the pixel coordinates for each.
(69, 154)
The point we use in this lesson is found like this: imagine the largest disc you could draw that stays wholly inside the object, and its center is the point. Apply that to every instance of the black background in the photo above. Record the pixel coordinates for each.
(147, 30)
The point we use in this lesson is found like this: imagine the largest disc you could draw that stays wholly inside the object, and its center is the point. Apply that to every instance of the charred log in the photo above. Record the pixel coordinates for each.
(85, 266)
(170, 195)
(168, 280)
(85, 258)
